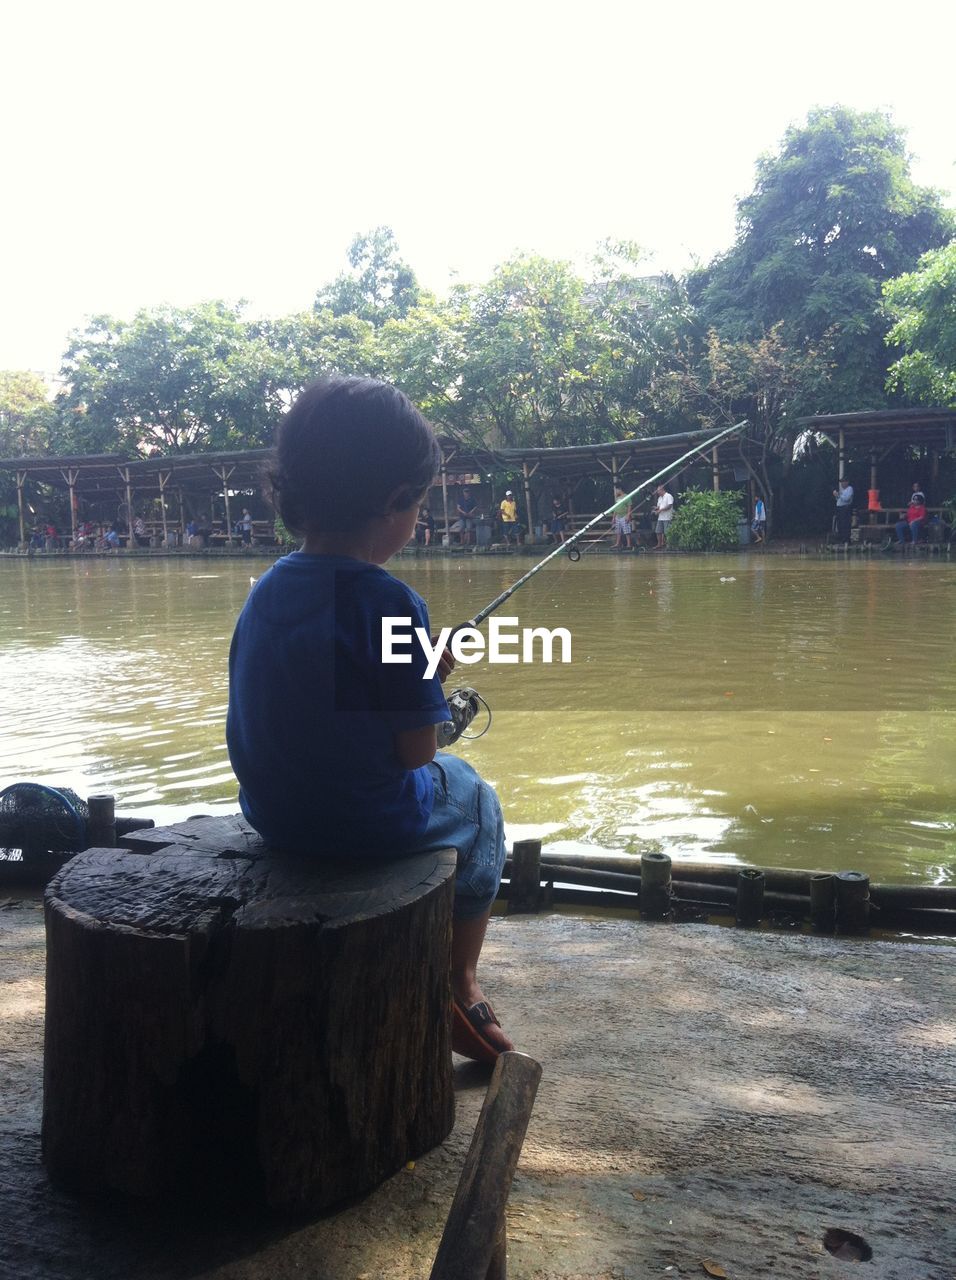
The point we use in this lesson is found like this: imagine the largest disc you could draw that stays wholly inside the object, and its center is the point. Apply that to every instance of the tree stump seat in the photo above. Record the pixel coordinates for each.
(222, 1015)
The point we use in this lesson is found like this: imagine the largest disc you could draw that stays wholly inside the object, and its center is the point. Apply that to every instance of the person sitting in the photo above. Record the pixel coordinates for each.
(424, 527)
(320, 723)
(139, 532)
(914, 520)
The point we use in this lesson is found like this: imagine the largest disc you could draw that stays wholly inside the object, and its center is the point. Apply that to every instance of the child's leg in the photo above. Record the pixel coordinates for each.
(467, 817)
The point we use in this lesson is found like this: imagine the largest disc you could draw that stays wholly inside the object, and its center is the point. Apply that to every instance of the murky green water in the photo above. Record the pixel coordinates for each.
(784, 711)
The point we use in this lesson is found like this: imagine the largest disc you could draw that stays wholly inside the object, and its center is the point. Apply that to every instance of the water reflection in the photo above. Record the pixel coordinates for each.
(787, 712)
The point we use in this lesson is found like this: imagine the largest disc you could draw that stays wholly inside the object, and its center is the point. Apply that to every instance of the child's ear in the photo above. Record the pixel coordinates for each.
(401, 499)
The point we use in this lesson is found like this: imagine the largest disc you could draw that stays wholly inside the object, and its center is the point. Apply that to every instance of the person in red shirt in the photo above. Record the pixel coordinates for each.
(914, 519)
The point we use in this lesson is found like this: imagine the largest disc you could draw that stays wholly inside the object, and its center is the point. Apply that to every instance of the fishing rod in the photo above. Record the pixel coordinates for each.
(567, 546)
(464, 703)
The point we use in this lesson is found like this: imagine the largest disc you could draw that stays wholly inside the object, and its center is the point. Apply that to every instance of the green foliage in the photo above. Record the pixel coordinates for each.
(833, 215)
(706, 521)
(283, 536)
(378, 287)
(26, 414)
(922, 305)
(170, 380)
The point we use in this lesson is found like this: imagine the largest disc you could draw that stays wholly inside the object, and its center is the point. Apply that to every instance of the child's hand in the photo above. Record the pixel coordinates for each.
(446, 663)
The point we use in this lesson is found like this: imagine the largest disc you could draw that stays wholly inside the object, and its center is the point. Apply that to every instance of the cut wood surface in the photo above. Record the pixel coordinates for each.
(271, 1021)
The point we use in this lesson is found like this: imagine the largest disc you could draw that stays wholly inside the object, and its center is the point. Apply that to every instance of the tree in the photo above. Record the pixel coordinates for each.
(833, 216)
(922, 306)
(170, 380)
(648, 336)
(527, 351)
(378, 287)
(26, 414)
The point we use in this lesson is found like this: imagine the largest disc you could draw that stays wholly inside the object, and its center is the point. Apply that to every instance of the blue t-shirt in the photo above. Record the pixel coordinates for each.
(313, 710)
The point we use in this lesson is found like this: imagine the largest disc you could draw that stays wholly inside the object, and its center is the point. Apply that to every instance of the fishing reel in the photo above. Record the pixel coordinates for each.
(464, 704)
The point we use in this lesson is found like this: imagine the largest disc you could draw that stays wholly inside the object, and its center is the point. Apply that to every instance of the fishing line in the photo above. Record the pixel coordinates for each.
(464, 703)
(566, 548)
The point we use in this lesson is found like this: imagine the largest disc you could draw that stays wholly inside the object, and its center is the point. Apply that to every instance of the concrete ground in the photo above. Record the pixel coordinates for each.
(709, 1096)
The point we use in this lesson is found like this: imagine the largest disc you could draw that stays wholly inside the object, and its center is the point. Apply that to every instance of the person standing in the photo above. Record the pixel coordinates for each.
(622, 521)
(139, 532)
(559, 516)
(844, 510)
(510, 528)
(466, 511)
(664, 510)
(759, 525)
(245, 527)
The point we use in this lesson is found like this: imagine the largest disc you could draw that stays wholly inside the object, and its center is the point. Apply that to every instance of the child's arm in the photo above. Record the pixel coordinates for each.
(415, 747)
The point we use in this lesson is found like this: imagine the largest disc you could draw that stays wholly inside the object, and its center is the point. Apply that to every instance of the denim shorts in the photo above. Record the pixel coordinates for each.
(467, 817)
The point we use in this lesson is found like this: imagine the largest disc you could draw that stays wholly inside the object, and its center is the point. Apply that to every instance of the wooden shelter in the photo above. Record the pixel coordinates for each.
(100, 477)
(629, 461)
(885, 433)
(121, 480)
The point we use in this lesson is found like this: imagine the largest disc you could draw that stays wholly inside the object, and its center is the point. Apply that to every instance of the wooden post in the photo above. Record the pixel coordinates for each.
(842, 456)
(70, 475)
(163, 480)
(101, 824)
(124, 472)
(715, 468)
(21, 478)
(225, 493)
(750, 887)
(823, 902)
(446, 536)
(471, 1246)
(852, 902)
(527, 496)
(524, 894)
(655, 886)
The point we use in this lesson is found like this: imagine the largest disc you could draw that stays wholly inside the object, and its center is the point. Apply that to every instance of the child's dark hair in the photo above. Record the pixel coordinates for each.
(343, 449)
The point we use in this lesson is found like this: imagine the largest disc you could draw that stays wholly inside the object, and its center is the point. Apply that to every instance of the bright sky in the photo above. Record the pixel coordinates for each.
(206, 148)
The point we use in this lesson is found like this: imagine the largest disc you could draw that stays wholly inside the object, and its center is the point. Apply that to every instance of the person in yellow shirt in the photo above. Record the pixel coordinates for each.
(510, 528)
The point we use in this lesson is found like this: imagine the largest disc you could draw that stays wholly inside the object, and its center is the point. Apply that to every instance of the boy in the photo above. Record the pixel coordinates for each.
(324, 735)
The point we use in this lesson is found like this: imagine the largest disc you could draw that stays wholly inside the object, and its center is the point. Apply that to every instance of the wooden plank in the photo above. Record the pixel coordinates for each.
(221, 834)
(472, 1236)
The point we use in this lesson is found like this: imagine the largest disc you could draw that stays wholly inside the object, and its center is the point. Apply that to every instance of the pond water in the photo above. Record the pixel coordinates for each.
(785, 711)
